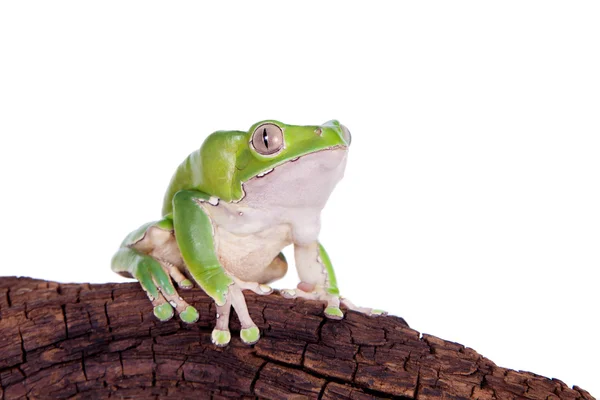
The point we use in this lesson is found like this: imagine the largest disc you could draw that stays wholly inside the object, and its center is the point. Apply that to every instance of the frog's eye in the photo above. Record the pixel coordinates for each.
(267, 139)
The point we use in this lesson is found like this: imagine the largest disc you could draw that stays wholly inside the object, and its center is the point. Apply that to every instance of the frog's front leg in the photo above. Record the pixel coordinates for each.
(195, 236)
(318, 281)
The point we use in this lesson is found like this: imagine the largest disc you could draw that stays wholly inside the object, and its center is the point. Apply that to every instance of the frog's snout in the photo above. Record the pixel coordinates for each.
(342, 130)
(346, 135)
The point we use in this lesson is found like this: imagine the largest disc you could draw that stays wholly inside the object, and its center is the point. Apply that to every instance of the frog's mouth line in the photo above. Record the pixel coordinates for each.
(268, 171)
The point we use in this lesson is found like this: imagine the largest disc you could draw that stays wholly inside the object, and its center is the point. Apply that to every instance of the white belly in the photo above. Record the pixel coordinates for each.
(247, 256)
(279, 209)
(248, 239)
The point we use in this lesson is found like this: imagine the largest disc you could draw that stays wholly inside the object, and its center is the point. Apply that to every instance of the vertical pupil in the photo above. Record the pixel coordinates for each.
(266, 138)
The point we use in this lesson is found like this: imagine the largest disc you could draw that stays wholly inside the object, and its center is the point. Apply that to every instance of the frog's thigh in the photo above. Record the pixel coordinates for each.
(159, 242)
(258, 283)
(274, 271)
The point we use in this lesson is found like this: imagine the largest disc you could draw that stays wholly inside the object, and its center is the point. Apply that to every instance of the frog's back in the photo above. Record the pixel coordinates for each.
(187, 176)
(210, 169)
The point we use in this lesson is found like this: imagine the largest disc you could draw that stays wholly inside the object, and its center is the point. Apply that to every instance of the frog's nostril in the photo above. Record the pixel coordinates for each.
(347, 135)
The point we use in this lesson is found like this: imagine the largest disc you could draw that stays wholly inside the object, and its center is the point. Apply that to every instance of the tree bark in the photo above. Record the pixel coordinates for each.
(102, 340)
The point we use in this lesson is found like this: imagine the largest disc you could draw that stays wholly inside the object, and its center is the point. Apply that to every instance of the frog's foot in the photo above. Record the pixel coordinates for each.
(365, 310)
(167, 300)
(332, 310)
(258, 288)
(164, 297)
(250, 332)
(156, 283)
(164, 304)
(162, 309)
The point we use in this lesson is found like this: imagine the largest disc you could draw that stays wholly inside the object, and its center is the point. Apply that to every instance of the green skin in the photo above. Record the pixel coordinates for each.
(214, 174)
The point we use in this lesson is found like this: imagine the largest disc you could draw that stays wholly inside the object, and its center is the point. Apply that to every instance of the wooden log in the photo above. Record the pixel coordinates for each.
(97, 341)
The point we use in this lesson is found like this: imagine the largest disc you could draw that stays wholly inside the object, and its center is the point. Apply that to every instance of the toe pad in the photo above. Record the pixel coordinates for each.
(250, 335)
(334, 313)
(220, 338)
(189, 315)
(164, 312)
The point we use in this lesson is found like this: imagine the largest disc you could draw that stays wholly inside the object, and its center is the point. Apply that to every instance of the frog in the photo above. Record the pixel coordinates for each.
(230, 209)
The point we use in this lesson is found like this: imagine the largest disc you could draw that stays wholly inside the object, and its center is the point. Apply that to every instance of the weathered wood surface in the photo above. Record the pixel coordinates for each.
(99, 341)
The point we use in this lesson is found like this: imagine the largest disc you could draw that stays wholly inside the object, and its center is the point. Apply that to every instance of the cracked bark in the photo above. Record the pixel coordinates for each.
(99, 341)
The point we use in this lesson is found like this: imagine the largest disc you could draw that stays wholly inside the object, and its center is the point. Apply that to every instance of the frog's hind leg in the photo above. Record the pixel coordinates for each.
(131, 263)
(150, 255)
(158, 241)
(276, 270)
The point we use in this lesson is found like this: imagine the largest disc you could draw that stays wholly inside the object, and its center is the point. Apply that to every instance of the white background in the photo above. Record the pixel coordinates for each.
(471, 202)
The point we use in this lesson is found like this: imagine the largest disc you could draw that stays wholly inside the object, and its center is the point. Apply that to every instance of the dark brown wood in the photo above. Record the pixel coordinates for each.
(98, 341)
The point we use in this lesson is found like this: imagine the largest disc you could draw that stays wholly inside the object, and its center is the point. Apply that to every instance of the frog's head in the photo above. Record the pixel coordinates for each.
(279, 159)
(228, 160)
(292, 165)
(231, 159)
(272, 143)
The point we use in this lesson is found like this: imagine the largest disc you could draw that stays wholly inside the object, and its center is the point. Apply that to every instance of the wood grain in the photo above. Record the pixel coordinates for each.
(98, 341)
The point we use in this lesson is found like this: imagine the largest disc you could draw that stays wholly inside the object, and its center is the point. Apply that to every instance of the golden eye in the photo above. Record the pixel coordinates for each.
(267, 139)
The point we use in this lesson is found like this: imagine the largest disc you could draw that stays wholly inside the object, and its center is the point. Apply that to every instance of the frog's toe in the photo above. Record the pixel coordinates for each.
(258, 288)
(189, 315)
(220, 337)
(265, 289)
(375, 312)
(185, 284)
(164, 311)
(288, 293)
(182, 281)
(250, 335)
(333, 312)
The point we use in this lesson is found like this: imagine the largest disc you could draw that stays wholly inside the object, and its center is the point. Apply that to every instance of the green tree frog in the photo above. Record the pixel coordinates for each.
(229, 210)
